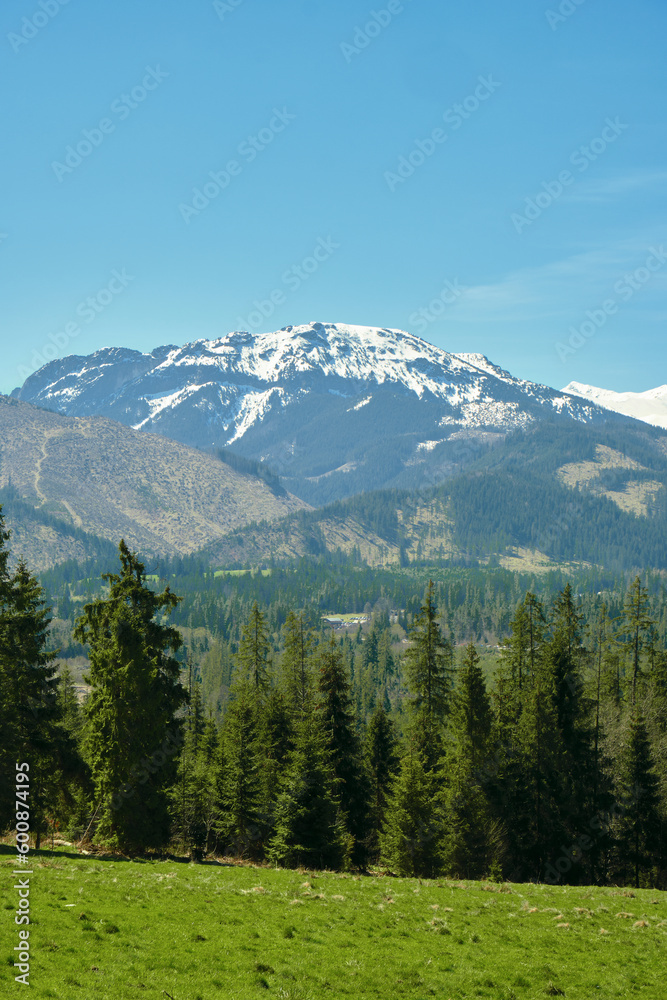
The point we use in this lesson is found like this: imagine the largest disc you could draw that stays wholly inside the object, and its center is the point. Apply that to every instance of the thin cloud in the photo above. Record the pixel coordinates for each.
(605, 189)
(557, 288)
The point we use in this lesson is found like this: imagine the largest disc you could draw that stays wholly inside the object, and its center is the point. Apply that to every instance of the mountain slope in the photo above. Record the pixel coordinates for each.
(108, 480)
(333, 409)
(547, 495)
(649, 406)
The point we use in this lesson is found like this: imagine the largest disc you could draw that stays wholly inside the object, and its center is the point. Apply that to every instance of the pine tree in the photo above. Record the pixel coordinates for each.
(193, 795)
(428, 662)
(636, 627)
(641, 836)
(414, 824)
(472, 833)
(240, 774)
(254, 651)
(29, 681)
(382, 763)
(344, 746)
(275, 739)
(135, 693)
(309, 825)
(296, 664)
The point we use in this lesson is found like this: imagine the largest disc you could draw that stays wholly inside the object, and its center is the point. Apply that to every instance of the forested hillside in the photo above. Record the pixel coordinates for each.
(551, 494)
(394, 743)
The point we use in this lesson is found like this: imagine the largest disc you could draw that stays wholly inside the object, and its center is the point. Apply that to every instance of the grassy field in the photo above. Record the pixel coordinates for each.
(117, 929)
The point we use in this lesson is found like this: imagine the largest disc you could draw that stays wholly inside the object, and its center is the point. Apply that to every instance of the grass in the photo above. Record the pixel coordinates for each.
(119, 929)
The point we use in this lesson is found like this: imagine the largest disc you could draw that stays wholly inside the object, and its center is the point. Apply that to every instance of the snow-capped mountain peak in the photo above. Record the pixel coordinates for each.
(649, 406)
(310, 399)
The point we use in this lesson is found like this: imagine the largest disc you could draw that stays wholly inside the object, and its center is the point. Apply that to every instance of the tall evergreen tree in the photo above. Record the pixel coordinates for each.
(135, 694)
(241, 821)
(412, 840)
(254, 651)
(641, 837)
(472, 834)
(636, 628)
(297, 671)
(344, 746)
(429, 661)
(309, 825)
(193, 795)
(382, 762)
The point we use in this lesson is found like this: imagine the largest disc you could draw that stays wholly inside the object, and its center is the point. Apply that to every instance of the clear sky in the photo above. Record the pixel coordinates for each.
(490, 176)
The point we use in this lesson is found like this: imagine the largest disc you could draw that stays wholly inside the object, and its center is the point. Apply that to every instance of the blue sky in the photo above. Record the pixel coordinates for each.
(489, 176)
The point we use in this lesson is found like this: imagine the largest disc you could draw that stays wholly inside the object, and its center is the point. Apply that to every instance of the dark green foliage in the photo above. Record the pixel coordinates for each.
(132, 732)
(344, 746)
(381, 753)
(296, 664)
(194, 792)
(412, 842)
(636, 628)
(240, 763)
(641, 835)
(252, 660)
(309, 826)
(428, 661)
(472, 839)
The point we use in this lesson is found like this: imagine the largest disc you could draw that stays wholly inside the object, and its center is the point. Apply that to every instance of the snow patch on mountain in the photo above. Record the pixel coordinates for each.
(649, 406)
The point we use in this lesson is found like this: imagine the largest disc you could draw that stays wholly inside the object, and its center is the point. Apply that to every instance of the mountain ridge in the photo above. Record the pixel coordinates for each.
(333, 409)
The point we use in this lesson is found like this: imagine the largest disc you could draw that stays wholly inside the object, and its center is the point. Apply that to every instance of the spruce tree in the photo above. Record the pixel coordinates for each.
(429, 668)
(412, 840)
(641, 834)
(471, 847)
(296, 664)
(309, 825)
(428, 662)
(344, 746)
(28, 679)
(382, 761)
(636, 628)
(239, 769)
(193, 795)
(135, 694)
(254, 647)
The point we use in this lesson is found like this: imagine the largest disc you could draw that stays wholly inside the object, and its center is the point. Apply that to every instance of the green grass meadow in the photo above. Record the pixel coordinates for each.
(115, 929)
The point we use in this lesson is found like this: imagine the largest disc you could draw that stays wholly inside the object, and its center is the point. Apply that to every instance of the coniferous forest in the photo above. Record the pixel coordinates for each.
(413, 744)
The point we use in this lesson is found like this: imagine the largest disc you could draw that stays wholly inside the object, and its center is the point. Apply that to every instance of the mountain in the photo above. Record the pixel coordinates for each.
(549, 495)
(333, 409)
(649, 406)
(68, 482)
